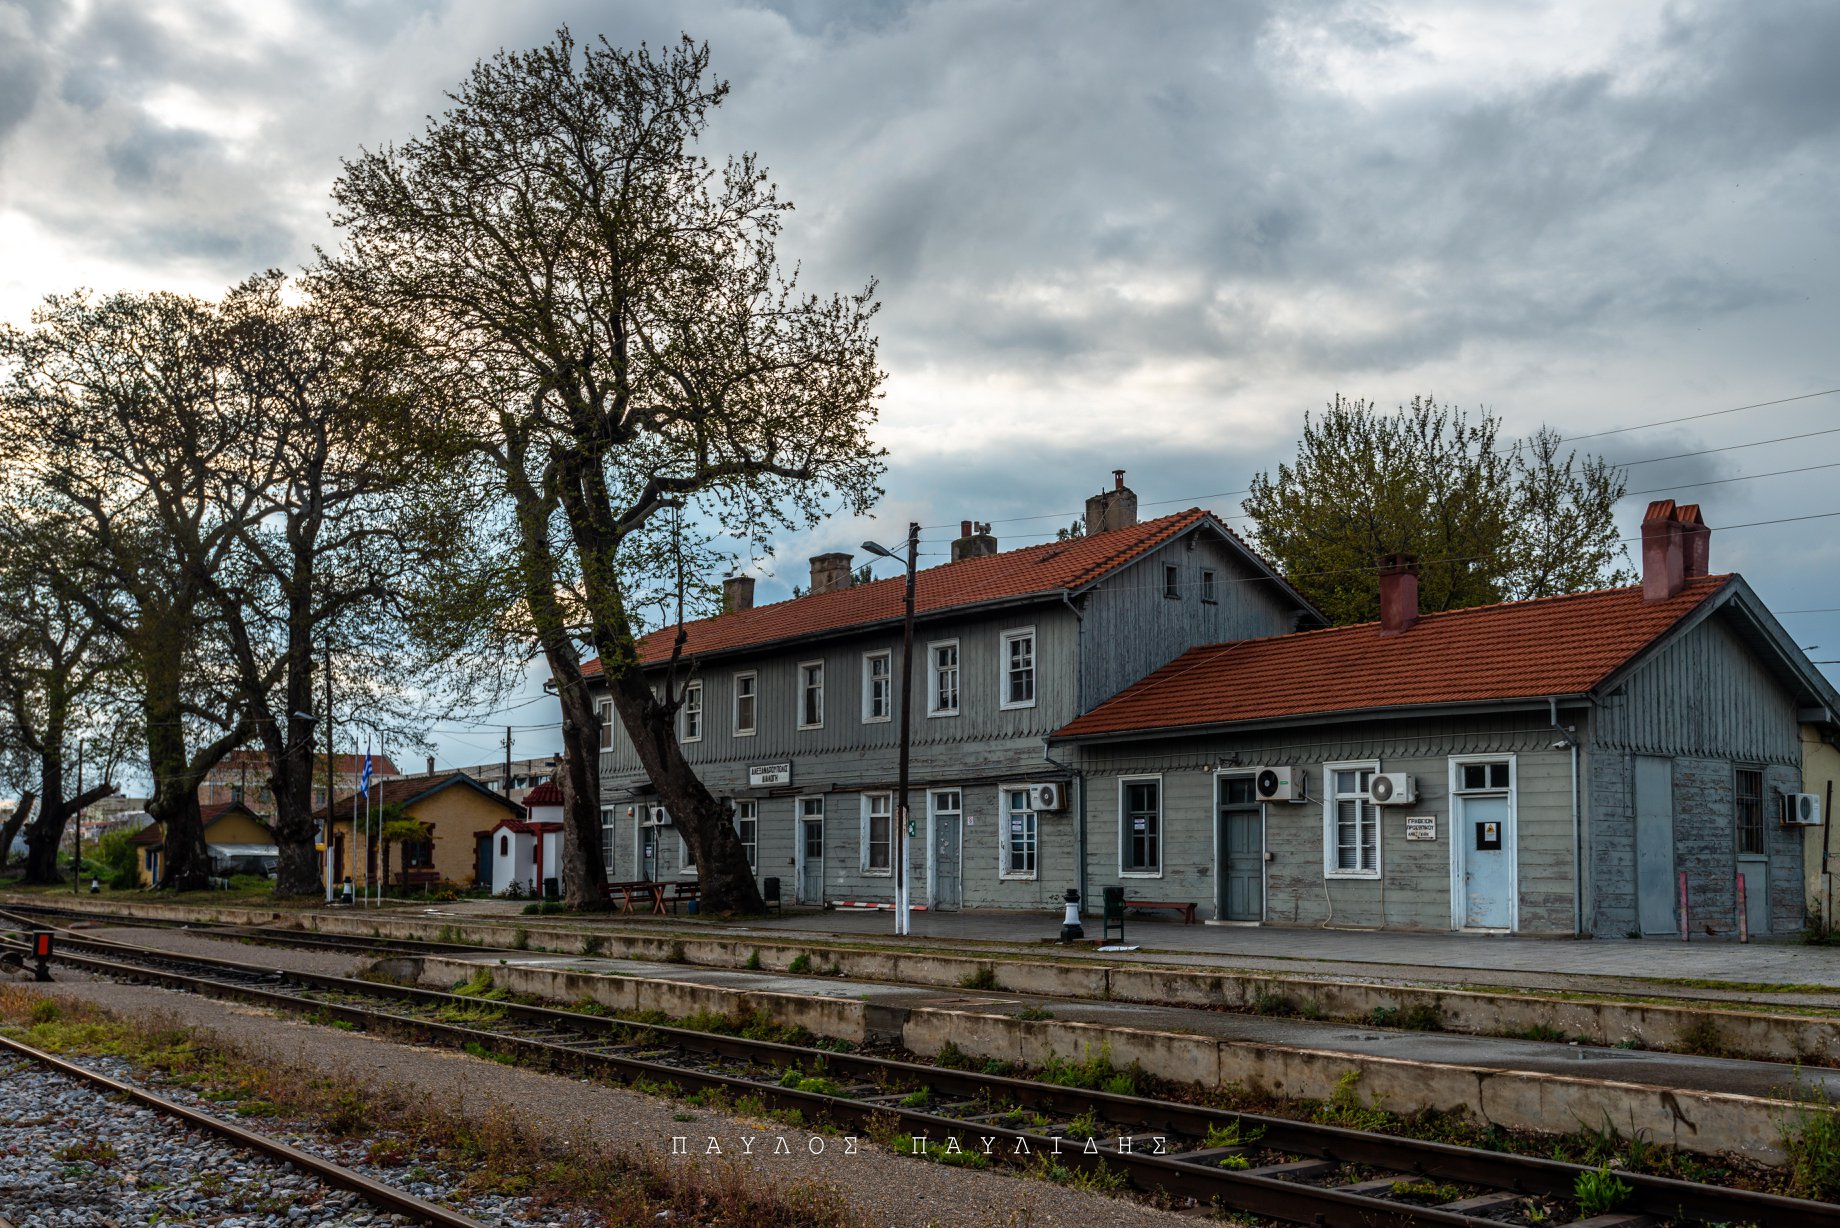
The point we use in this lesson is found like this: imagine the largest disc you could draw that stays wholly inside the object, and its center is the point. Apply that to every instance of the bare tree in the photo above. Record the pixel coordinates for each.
(557, 229)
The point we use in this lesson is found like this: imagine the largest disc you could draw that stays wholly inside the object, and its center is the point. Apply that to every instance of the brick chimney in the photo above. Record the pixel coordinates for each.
(1695, 542)
(737, 594)
(431, 765)
(974, 540)
(829, 572)
(1111, 509)
(1663, 556)
(1398, 593)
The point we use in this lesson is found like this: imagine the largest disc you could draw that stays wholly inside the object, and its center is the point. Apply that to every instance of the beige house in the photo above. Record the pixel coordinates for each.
(457, 815)
(1820, 851)
(233, 834)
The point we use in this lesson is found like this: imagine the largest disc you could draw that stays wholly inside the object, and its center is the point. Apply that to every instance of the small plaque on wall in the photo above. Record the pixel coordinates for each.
(1421, 827)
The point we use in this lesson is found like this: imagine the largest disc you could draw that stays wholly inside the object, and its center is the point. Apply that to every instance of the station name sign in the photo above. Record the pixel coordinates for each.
(766, 775)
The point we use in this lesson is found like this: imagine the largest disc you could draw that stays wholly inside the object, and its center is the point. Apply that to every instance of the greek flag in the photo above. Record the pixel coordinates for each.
(364, 778)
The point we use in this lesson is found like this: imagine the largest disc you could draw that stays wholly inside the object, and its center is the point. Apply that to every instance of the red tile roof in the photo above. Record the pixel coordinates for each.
(1043, 570)
(1516, 650)
(546, 794)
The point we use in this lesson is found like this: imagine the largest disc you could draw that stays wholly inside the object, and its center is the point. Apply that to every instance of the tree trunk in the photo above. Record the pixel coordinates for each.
(707, 825)
(17, 820)
(290, 780)
(186, 865)
(584, 866)
(46, 830)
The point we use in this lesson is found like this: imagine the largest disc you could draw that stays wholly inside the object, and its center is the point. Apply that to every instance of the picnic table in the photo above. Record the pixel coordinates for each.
(658, 899)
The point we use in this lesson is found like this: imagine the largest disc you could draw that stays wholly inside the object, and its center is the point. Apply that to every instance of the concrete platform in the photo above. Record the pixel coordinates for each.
(1695, 1103)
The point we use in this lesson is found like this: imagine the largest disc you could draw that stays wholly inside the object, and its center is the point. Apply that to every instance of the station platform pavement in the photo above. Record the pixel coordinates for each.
(1787, 970)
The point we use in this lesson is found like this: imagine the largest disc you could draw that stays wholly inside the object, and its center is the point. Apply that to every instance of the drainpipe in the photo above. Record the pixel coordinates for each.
(1571, 743)
(1079, 777)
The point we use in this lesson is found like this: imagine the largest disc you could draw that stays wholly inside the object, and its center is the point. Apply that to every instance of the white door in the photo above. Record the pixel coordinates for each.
(809, 850)
(1486, 833)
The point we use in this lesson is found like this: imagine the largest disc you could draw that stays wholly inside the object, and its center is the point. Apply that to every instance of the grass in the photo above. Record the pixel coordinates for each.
(1703, 1037)
(576, 1180)
(1598, 1191)
(800, 965)
(753, 960)
(982, 978)
(1094, 1072)
(1811, 1141)
(1418, 1017)
(1034, 1014)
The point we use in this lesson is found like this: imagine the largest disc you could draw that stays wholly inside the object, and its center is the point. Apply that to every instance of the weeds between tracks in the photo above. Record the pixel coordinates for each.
(501, 1154)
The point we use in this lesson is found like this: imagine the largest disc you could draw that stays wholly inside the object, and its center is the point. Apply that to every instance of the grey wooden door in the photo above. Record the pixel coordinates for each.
(1755, 871)
(1655, 889)
(948, 878)
(811, 859)
(1242, 845)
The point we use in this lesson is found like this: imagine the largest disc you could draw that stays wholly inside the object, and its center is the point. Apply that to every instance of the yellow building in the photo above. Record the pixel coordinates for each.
(234, 835)
(1820, 850)
(457, 815)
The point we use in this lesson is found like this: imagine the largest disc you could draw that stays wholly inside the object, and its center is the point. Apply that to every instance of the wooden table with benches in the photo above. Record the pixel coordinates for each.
(643, 895)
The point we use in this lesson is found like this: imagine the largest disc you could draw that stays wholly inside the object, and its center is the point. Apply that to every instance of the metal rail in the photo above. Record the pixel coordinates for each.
(375, 1192)
(1190, 1174)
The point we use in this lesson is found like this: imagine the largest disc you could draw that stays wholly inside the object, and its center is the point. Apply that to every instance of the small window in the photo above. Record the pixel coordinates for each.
(878, 833)
(1172, 582)
(1018, 835)
(1207, 587)
(878, 687)
(1481, 777)
(504, 846)
(693, 712)
(236, 794)
(607, 817)
(1747, 796)
(1140, 815)
(687, 856)
(418, 854)
(1019, 668)
(943, 690)
(745, 685)
(811, 695)
(747, 826)
(606, 710)
(1352, 832)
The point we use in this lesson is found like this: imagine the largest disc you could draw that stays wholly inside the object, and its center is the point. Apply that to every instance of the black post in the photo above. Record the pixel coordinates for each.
(907, 708)
(76, 831)
(325, 862)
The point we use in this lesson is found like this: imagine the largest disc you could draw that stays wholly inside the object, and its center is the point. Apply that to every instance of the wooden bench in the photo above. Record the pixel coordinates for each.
(639, 891)
(1186, 909)
(682, 893)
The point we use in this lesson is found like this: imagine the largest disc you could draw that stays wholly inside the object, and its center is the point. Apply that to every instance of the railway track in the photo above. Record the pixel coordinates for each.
(1293, 1171)
(378, 1194)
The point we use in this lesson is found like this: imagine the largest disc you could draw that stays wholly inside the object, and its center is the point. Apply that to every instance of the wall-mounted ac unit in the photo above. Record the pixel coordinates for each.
(1392, 789)
(660, 817)
(1801, 810)
(1047, 798)
(1281, 784)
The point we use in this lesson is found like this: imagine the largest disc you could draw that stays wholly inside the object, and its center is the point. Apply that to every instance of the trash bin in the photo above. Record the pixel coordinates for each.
(552, 888)
(1114, 913)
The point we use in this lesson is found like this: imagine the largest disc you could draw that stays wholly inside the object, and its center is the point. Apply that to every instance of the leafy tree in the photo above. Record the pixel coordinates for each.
(556, 230)
(136, 476)
(1487, 522)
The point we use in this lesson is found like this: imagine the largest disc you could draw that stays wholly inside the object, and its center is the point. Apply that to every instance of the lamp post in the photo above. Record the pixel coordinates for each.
(907, 685)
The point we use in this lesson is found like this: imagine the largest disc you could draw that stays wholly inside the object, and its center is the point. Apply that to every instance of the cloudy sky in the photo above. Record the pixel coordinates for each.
(1145, 235)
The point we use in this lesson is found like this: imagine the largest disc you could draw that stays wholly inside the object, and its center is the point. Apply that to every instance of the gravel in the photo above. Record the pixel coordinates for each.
(76, 1156)
(898, 1191)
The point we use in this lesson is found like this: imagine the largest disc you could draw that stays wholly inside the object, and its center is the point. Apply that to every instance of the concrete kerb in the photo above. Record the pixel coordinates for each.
(1691, 1028)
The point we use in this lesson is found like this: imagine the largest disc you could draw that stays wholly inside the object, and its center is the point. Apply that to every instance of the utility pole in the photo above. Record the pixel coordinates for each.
(507, 763)
(901, 912)
(76, 830)
(326, 827)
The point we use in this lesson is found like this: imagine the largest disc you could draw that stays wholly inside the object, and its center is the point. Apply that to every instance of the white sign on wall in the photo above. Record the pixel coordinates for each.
(1421, 827)
(764, 775)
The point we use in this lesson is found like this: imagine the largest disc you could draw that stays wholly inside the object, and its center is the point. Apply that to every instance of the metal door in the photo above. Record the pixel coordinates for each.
(811, 858)
(948, 852)
(1755, 871)
(1655, 888)
(482, 858)
(1242, 841)
(1486, 828)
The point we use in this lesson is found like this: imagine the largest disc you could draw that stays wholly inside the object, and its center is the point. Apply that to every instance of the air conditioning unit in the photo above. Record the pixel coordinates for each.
(1281, 784)
(1047, 798)
(660, 817)
(1392, 789)
(1801, 810)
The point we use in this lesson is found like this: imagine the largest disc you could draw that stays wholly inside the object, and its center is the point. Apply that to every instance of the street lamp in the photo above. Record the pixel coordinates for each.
(907, 707)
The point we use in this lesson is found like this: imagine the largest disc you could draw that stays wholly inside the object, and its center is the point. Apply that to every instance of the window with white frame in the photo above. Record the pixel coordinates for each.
(1140, 820)
(878, 833)
(687, 860)
(746, 689)
(692, 712)
(811, 694)
(1019, 668)
(878, 686)
(606, 710)
(747, 826)
(607, 837)
(942, 697)
(1351, 836)
(1018, 836)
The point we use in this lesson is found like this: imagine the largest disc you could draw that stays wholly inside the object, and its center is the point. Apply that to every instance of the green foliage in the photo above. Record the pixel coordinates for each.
(1488, 521)
(800, 965)
(984, 978)
(1232, 1134)
(116, 861)
(1599, 1191)
(1034, 1013)
(1418, 1017)
(753, 961)
(1811, 1141)
(1094, 1072)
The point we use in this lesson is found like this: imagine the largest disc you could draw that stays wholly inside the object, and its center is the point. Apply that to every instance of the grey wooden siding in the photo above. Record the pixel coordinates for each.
(1705, 702)
(1414, 891)
(1132, 629)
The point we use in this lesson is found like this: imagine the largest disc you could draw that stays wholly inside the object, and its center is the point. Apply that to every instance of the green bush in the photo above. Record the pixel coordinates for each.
(116, 861)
